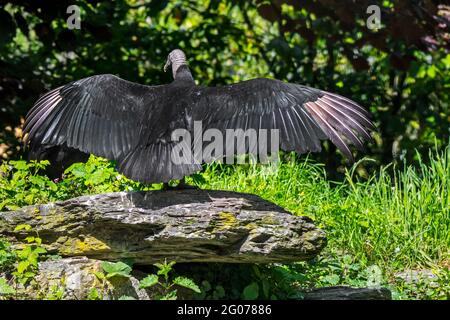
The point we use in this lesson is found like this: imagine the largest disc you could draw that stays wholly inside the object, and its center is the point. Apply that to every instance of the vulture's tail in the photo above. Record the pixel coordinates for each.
(156, 163)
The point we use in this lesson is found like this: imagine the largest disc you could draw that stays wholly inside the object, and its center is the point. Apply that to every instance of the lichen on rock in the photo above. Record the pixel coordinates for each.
(182, 225)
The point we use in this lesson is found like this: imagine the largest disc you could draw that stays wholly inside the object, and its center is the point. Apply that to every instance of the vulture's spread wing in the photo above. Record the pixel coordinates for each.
(303, 115)
(112, 118)
(101, 114)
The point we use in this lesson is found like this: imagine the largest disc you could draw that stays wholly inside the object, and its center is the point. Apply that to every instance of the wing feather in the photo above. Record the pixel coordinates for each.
(304, 115)
(100, 114)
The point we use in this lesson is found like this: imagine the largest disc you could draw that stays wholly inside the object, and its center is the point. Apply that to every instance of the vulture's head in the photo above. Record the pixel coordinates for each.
(176, 58)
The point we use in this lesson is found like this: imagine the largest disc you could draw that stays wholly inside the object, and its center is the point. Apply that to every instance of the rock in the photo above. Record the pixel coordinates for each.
(417, 276)
(348, 293)
(75, 279)
(180, 225)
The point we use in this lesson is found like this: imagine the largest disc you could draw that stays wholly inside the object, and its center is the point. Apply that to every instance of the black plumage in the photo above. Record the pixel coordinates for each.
(132, 123)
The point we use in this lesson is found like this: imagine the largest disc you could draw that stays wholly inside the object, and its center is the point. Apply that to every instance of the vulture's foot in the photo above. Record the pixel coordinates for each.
(182, 185)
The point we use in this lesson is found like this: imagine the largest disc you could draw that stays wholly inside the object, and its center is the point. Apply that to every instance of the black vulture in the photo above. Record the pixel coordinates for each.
(132, 123)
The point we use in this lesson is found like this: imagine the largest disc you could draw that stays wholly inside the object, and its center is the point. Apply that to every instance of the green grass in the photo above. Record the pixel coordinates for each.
(396, 220)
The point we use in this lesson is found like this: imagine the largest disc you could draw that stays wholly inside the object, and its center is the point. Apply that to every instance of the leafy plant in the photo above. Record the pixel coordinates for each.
(21, 183)
(5, 288)
(94, 294)
(7, 256)
(111, 271)
(55, 292)
(149, 281)
(28, 257)
(117, 269)
(162, 279)
(251, 292)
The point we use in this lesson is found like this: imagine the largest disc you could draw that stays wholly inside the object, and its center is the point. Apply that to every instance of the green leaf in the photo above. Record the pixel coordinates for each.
(77, 169)
(5, 288)
(39, 250)
(52, 186)
(94, 295)
(148, 281)
(431, 71)
(22, 266)
(20, 165)
(172, 295)
(206, 285)
(97, 177)
(29, 239)
(40, 181)
(219, 292)
(25, 227)
(99, 275)
(332, 279)
(117, 269)
(186, 283)
(164, 268)
(29, 199)
(251, 291)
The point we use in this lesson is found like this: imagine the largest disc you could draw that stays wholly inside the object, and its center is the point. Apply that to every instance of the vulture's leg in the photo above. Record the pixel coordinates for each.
(180, 186)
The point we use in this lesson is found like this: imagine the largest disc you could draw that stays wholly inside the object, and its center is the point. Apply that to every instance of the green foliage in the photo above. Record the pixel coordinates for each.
(149, 281)
(389, 222)
(395, 220)
(167, 286)
(94, 294)
(164, 286)
(112, 271)
(21, 184)
(97, 175)
(243, 281)
(251, 292)
(20, 265)
(28, 257)
(117, 269)
(5, 288)
(186, 283)
(7, 256)
(55, 292)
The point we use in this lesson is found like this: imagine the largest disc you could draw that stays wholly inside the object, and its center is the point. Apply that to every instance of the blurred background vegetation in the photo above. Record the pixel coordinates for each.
(400, 71)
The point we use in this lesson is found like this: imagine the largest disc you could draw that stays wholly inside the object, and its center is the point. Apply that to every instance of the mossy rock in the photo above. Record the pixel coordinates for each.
(181, 225)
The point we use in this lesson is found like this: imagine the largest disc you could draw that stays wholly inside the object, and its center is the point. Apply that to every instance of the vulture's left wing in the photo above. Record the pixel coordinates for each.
(102, 114)
(303, 115)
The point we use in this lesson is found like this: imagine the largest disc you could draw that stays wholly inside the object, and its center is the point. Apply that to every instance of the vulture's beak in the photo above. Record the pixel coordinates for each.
(167, 64)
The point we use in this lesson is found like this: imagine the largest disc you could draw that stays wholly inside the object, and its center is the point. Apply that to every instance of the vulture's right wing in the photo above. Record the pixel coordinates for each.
(102, 114)
(303, 115)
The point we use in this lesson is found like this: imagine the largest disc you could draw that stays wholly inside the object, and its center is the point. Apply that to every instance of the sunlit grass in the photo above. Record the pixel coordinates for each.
(397, 219)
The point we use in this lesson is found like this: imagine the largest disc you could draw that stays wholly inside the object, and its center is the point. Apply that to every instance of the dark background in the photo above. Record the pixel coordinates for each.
(400, 72)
